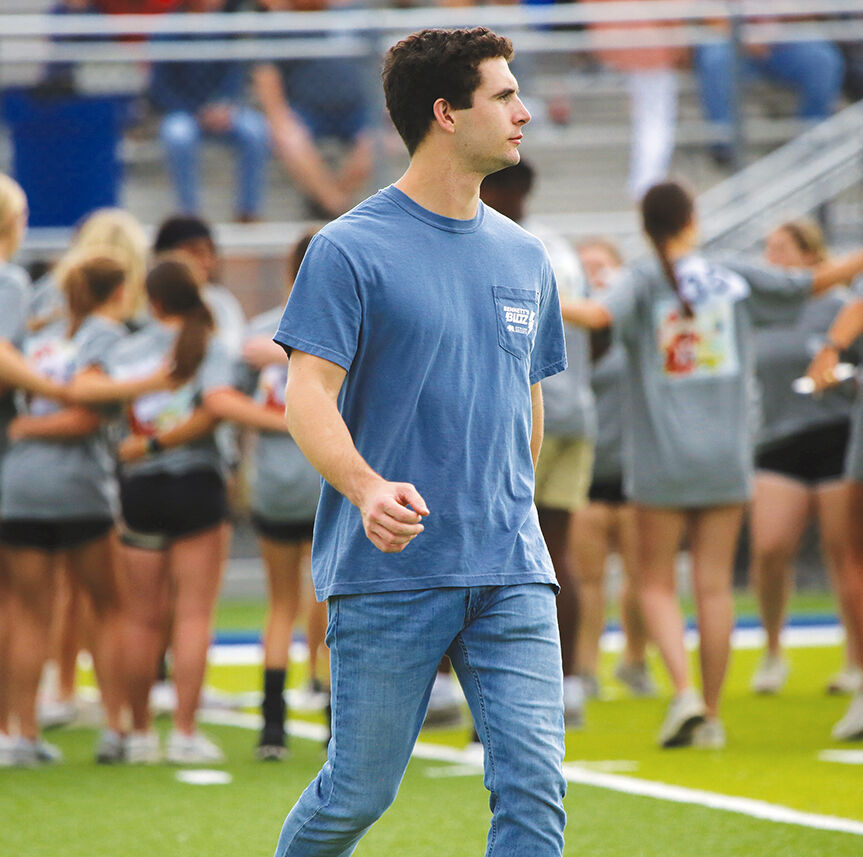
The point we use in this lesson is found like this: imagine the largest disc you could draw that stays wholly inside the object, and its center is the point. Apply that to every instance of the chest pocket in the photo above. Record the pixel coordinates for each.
(516, 311)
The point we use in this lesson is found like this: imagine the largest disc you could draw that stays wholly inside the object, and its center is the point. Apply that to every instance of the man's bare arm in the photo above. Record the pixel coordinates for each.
(538, 422)
(314, 420)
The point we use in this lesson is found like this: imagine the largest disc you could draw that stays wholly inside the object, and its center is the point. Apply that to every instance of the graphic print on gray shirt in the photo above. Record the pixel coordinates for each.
(70, 479)
(688, 442)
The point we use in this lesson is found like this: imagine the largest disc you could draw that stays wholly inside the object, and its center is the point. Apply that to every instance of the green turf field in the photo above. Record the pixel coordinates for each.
(79, 810)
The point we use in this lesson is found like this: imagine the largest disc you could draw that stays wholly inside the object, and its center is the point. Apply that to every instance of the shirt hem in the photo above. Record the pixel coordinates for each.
(448, 581)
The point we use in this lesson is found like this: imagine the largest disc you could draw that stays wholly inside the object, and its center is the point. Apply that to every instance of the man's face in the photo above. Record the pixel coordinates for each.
(488, 133)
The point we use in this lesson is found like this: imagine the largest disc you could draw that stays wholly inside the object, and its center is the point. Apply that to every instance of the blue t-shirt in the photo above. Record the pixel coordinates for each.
(442, 326)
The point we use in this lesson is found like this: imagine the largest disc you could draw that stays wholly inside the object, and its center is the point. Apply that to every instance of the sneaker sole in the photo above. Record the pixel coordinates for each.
(683, 736)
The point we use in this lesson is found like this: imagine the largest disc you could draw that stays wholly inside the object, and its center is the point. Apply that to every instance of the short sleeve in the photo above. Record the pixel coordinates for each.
(324, 312)
(95, 350)
(217, 369)
(548, 356)
(13, 309)
(776, 294)
(621, 301)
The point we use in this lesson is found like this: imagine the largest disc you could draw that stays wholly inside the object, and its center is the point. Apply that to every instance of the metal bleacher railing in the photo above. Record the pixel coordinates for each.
(806, 173)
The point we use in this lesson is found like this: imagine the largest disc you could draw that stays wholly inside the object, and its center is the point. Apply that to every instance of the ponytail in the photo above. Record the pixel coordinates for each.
(666, 210)
(172, 287)
(88, 285)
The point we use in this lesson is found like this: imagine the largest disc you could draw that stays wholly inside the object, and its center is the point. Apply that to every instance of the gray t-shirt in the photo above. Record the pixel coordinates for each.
(141, 354)
(688, 441)
(70, 479)
(14, 298)
(783, 353)
(609, 388)
(568, 403)
(47, 301)
(285, 487)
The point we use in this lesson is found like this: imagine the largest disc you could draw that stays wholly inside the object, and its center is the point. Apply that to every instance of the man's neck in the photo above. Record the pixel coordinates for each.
(436, 184)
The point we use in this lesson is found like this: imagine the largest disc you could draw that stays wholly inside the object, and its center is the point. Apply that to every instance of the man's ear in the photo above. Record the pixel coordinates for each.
(444, 115)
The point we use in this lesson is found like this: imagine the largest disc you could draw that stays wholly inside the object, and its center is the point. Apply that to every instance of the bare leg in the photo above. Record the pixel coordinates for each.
(713, 539)
(555, 525)
(146, 581)
(358, 164)
(851, 579)
(780, 508)
(5, 640)
(32, 606)
(832, 503)
(195, 565)
(631, 613)
(284, 587)
(659, 534)
(94, 565)
(590, 545)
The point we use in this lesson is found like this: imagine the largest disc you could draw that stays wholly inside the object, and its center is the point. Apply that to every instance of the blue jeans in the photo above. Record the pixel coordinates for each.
(384, 651)
(181, 135)
(814, 69)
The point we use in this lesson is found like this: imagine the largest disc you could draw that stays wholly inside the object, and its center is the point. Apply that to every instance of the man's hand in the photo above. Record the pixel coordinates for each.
(821, 369)
(392, 512)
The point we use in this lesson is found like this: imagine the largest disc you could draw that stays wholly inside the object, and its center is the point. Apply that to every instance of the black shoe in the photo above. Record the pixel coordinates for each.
(273, 744)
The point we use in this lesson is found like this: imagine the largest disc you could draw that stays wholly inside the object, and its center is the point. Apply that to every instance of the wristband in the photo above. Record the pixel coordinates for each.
(154, 445)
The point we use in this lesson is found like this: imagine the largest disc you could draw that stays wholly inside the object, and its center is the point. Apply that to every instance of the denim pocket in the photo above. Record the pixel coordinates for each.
(516, 319)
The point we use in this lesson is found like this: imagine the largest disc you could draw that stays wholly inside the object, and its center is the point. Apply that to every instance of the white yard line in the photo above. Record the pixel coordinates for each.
(471, 757)
(251, 654)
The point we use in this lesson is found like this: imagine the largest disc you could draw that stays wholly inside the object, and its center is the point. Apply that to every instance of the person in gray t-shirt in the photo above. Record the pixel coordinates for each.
(172, 493)
(285, 492)
(58, 499)
(845, 333)
(686, 323)
(800, 456)
(564, 466)
(607, 522)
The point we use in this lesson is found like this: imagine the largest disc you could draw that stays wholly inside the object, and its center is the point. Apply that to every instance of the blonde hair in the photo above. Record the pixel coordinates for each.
(117, 235)
(808, 236)
(13, 203)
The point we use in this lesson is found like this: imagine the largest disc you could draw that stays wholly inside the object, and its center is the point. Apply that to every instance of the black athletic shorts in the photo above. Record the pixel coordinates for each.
(161, 507)
(811, 457)
(607, 491)
(284, 532)
(53, 536)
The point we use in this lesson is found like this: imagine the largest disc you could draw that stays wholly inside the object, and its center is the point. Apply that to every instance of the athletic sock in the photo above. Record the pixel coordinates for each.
(273, 706)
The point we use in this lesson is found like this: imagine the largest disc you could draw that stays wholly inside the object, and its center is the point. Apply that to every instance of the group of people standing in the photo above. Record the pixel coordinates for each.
(120, 373)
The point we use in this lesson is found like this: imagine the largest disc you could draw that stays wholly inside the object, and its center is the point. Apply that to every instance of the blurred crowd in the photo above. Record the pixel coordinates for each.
(300, 111)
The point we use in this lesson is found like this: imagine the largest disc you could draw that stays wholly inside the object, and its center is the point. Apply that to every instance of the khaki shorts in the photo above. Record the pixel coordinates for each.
(563, 473)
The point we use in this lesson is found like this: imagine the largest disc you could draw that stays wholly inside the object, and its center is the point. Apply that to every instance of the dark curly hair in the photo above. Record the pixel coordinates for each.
(433, 64)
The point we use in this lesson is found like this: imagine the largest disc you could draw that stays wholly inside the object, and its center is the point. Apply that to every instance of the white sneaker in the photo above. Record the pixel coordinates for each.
(195, 749)
(163, 698)
(110, 748)
(29, 752)
(685, 712)
(636, 677)
(850, 727)
(847, 681)
(445, 702)
(56, 713)
(709, 735)
(573, 701)
(7, 742)
(770, 676)
(142, 748)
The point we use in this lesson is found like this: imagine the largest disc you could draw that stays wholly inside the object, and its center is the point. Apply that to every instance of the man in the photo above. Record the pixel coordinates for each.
(564, 469)
(420, 326)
